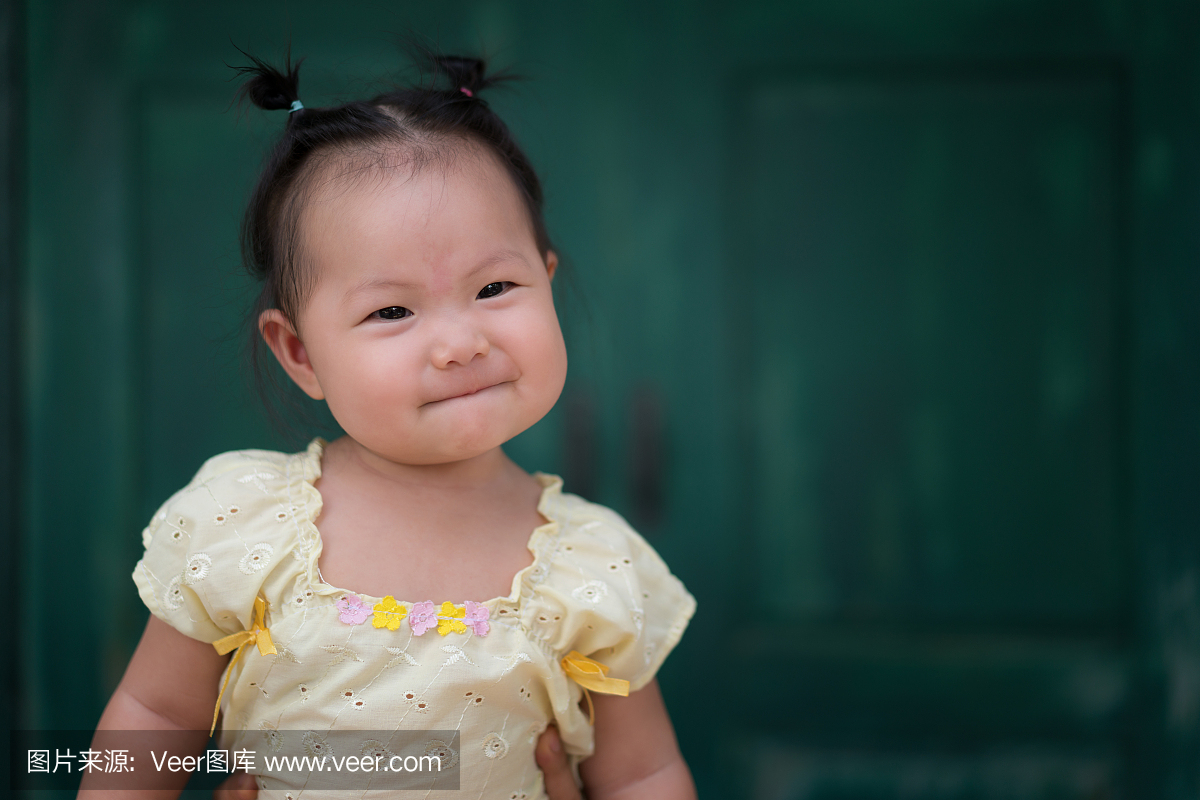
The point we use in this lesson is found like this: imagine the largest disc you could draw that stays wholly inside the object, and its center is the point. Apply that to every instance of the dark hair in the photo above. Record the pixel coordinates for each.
(425, 121)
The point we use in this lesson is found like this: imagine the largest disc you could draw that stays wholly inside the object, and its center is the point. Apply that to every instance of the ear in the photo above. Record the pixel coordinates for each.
(280, 335)
(551, 263)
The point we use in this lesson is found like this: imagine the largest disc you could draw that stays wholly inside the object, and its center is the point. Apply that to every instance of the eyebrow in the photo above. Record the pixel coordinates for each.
(370, 284)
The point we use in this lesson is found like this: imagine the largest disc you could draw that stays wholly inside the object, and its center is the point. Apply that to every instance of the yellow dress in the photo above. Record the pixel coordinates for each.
(244, 528)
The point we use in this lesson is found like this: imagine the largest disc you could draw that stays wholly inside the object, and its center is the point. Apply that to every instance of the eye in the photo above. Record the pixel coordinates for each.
(392, 312)
(493, 289)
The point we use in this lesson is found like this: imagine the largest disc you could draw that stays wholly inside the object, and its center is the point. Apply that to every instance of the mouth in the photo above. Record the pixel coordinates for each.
(468, 393)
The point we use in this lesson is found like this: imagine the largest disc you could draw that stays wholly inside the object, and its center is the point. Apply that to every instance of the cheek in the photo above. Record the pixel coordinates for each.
(544, 354)
(369, 380)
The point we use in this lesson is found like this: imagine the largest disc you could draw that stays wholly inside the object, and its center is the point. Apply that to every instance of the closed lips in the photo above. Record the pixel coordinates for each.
(469, 391)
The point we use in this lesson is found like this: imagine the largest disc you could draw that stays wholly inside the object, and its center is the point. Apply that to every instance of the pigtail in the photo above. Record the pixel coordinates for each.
(269, 88)
(467, 76)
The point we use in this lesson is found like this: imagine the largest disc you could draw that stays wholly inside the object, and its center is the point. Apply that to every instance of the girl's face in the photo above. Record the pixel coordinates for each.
(431, 329)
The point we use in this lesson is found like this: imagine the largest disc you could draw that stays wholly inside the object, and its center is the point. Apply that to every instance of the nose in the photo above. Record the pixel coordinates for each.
(458, 342)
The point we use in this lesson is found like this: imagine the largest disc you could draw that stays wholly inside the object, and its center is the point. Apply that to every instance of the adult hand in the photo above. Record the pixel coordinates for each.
(560, 785)
(238, 786)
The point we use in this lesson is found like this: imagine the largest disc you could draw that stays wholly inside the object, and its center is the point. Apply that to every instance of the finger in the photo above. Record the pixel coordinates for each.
(238, 786)
(560, 783)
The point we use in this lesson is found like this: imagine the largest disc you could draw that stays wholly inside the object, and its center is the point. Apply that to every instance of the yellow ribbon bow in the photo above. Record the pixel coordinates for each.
(591, 674)
(258, 634)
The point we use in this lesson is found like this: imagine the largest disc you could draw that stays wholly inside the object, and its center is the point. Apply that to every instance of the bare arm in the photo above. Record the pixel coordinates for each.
(169, 685)
(636, 752)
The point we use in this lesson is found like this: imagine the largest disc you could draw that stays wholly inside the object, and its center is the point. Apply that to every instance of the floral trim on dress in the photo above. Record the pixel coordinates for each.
(352, 610)
(388, 613)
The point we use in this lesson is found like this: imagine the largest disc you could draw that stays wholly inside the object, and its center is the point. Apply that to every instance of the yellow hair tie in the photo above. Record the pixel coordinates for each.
(258, 634)
(591, 674)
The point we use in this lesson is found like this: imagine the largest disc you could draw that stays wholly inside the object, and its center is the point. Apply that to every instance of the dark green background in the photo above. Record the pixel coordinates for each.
(883, 328)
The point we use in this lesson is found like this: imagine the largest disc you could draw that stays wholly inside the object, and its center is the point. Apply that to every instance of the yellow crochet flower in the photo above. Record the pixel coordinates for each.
(451, 625)
(388, 613)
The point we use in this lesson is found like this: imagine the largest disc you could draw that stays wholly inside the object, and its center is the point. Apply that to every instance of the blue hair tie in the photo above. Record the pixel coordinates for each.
(296, 106)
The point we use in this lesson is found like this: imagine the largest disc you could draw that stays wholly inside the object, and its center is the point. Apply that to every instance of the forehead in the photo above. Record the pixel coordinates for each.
(408, 209)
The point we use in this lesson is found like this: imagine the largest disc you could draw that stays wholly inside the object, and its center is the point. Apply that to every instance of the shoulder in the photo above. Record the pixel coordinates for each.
(260, 468)
(606, 590)
(597, 540)
(246, 475)
(222, 538)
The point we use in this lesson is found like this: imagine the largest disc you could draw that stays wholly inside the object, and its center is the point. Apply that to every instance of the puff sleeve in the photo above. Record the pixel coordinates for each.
(218, 543)
(609, 596)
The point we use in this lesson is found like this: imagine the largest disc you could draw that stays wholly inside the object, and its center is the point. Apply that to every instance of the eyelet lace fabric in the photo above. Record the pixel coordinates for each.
(347, 660)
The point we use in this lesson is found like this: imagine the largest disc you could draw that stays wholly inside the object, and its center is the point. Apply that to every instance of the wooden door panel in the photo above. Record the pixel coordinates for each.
(934, 434)
(841, 686)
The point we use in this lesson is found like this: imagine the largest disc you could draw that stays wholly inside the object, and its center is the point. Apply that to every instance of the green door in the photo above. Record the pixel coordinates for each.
(932, 443)
(882, 329)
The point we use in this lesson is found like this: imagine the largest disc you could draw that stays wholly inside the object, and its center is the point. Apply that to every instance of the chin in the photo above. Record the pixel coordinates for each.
(470, 445)
(468, 441)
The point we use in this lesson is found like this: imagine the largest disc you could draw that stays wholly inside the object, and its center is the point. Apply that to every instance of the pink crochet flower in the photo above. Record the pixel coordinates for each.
(477, 618)
(422, 617)
(353, 611)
